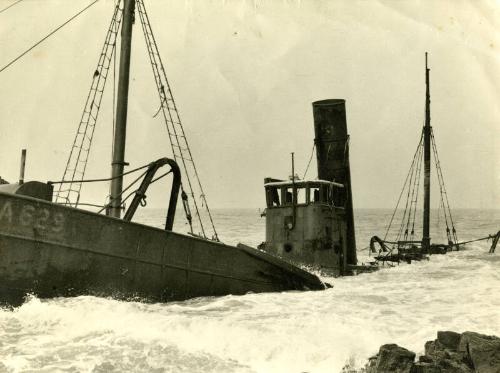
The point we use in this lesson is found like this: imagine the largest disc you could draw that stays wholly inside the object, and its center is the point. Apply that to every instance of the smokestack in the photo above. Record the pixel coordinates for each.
(332, 152)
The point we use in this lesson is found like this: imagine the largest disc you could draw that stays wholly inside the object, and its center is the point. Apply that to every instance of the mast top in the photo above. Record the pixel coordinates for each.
(426, 239)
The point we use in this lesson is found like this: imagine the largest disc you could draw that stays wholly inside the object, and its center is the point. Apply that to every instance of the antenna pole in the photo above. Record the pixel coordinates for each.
(426, 240)
(118, 162)
(23, 166)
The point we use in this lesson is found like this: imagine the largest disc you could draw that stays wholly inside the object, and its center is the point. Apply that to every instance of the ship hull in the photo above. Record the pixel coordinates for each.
(51, 250)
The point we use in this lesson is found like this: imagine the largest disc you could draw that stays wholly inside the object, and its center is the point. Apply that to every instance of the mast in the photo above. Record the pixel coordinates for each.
(118, 161)
(426, 240)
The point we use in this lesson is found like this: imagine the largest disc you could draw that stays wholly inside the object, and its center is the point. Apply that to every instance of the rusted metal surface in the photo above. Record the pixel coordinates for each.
(317, 237)
(52, 250)
(140, 193)
(35, 189)
(332, 152)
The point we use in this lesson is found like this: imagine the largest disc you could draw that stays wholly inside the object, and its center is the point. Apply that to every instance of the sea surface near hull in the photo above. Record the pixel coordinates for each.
(268, 332)
(51, 250)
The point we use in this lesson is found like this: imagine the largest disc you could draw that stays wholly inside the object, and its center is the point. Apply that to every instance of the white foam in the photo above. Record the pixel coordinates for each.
(295, 331)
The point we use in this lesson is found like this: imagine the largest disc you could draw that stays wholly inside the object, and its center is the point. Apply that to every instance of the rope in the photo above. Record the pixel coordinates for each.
(10, 6)
(478, 239)
(160, 177)
(98, 180)
(123, 191)
(446, 207)
(134, 191)
(82, 144)
(47, 36)
(417, 193)
(491, 236)
(309, 163)
(436, 163)
(89, 204)
(414, 196)
(402, 191)
(411, 175)
(171, 115)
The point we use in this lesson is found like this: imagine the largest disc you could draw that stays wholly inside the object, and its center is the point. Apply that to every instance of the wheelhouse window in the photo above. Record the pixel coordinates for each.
(282, 194)
(322, 193)
(301, 194)
(287, 195)
(272, 197)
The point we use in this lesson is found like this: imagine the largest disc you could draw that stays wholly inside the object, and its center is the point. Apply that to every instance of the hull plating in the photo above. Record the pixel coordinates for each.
(52, 250)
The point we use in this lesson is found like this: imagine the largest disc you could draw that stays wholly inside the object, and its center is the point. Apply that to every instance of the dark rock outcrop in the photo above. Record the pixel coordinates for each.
(482, 351)
(393, 358)
(450, 353)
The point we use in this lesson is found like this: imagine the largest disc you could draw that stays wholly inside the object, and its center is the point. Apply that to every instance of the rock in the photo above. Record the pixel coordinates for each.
(444, 346)
(452, 366)
(449, 340)
(482, 351)
(441, 366)
(423, 367)
(371, 366)
(450, 353)
(394, 359)
(434, 350)
(425, 359)
(429, 347)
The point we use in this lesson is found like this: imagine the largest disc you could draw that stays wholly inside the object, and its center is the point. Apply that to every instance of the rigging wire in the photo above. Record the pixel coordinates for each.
(82, 144)
(122, 204)
(47, 36)
(411, 188)
(411, 182)
(412, 175)
(416, 183)
(175, 129)
(10, 6)
(134, 191)
(452, 235)
(98, 180)
(416, 193)
(403, 189)
(309, 163)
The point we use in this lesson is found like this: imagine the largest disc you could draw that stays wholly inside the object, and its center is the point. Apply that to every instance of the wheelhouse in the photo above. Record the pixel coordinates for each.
(302, 193)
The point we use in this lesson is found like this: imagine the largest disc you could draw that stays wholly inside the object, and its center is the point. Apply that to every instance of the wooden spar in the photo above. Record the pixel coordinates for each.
(426, 240)
(118, 161)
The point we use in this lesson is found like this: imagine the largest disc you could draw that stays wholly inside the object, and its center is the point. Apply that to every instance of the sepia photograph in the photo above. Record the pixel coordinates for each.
(250, 186)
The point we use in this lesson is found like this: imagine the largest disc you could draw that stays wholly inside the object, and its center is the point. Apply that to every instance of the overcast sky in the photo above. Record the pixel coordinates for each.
(244, 74)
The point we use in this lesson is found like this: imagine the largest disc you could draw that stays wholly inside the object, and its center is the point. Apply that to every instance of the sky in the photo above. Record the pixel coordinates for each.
(244, 75)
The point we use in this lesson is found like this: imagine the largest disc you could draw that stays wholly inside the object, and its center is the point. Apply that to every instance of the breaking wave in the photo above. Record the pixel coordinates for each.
(285, 332)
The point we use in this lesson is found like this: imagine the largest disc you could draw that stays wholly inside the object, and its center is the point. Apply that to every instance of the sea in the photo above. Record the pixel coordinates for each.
(312, 331)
